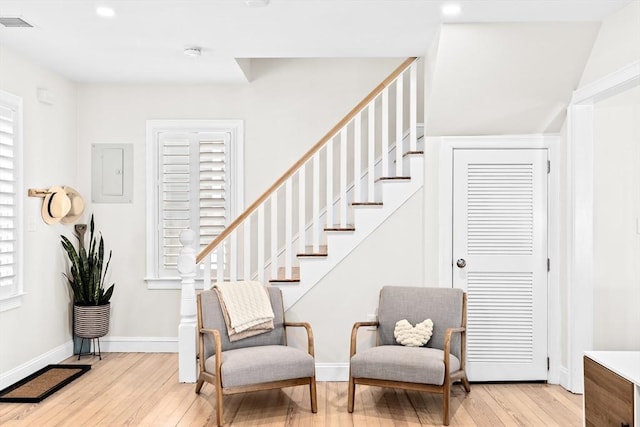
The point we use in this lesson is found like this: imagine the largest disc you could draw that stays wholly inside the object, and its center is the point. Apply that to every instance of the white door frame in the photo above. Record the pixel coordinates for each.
(445, 220)
(579, 222)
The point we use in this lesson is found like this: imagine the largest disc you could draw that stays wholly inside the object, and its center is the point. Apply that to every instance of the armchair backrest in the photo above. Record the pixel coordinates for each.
(210, 317)
(443, 306)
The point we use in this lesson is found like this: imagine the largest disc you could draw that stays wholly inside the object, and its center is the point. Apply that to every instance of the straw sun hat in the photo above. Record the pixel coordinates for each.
(62, 204)
(77, 206)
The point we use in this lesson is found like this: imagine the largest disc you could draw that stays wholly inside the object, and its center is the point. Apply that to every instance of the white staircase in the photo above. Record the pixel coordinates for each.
(391, 193)
(321, 209)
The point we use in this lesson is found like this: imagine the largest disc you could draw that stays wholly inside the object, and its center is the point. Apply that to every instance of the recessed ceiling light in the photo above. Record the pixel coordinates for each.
(105, 12)
(256, 3)
(451, 9)
(193, 51)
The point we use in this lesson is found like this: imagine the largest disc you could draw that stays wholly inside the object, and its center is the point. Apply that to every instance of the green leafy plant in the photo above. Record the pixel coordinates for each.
(87, 276)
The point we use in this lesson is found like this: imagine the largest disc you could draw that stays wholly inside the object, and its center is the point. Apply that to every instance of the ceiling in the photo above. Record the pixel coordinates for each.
(144, 42)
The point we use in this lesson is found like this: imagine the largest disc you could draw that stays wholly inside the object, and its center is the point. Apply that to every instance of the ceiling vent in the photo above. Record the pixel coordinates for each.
(14, 22)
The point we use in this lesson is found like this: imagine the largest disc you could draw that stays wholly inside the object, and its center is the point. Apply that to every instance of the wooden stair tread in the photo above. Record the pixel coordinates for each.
(308, 251)
(393, 178)
(409, 153)
(366, 203)
(338, 227)
(281, 277)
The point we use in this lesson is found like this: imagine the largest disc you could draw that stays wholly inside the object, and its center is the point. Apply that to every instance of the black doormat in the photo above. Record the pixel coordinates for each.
(42, 384)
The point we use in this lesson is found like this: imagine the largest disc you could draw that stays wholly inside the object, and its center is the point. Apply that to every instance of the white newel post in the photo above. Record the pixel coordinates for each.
(187, 368)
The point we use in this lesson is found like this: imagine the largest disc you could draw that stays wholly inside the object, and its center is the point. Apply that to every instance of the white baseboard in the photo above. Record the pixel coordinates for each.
(139, 344)
(332, 372)
(564, 377)
(52, 356)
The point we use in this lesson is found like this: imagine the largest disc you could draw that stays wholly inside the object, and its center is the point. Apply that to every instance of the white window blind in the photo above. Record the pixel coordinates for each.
(193, 190)
(10, 202)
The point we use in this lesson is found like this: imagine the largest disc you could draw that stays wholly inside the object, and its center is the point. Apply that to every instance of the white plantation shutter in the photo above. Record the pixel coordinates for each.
(10, 203)
(192, 190)
(174, 195)
(213, 203)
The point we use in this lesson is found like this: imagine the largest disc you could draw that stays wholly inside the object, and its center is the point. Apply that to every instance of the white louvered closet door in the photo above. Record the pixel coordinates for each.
(500, 260)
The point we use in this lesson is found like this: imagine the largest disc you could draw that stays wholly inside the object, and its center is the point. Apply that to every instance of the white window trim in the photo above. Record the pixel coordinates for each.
(15, 300)
(236, 166)
(445, 221)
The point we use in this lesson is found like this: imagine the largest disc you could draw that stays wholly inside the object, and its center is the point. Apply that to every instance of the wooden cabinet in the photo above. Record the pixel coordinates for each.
(612, 389)
(608, 398)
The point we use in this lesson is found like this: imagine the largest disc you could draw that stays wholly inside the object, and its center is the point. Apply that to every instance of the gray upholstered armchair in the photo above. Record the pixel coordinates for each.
(431, 368)
(256, 363)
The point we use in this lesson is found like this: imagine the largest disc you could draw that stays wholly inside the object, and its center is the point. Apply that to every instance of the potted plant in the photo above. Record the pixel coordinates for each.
(86, 278)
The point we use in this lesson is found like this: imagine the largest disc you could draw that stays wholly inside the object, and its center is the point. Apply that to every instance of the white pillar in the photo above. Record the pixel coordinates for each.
(187, 367)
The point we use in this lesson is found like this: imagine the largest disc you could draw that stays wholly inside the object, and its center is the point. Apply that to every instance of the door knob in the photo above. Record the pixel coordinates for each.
(461, 263)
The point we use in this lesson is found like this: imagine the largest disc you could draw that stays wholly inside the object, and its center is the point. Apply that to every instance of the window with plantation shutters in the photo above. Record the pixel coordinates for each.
(10, 202)
(195, 169)
(193, 185)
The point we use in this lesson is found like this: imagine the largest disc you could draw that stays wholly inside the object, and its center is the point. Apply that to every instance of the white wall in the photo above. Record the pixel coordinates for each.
(616, 186)
(431, 218)
(288, 106)
(392, 255)
(617, 223)
(617, 45)
(42, 323)
(506, 78)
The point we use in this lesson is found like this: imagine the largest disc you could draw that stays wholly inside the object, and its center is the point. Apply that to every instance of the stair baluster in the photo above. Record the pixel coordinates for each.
(384, 126)
(261, 243)
(288, 229)
(357, 162)
(371, 151)
(302, 209)
(344, 200)
(399, 124)
(413, 107)
(316, 203)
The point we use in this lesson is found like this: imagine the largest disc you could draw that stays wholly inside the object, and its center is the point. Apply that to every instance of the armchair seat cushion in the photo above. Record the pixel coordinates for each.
(262, 364)
(420, 365)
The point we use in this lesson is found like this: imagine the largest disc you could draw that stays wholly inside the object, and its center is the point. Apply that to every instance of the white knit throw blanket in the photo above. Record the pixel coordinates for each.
(247, 304)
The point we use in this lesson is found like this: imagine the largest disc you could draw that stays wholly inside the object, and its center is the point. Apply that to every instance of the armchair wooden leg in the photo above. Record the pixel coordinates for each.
(219, 406)
(446, 394)
(465, 384)
(351, 394)
(314, 399)
(199, 384)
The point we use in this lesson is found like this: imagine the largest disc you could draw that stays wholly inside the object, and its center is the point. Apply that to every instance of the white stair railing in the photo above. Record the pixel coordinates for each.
(266, 241)
(243, 251)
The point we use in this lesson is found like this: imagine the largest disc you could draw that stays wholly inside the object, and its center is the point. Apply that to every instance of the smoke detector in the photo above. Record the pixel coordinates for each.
(193, 51)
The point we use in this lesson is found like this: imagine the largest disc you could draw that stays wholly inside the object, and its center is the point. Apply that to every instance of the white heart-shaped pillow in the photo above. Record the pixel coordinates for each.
(413, 336)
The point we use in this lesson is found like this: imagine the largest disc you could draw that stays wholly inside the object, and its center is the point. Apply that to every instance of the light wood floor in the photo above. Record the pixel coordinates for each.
(143, 390)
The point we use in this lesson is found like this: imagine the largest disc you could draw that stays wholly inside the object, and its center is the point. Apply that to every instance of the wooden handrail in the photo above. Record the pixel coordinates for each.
(313, 150)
